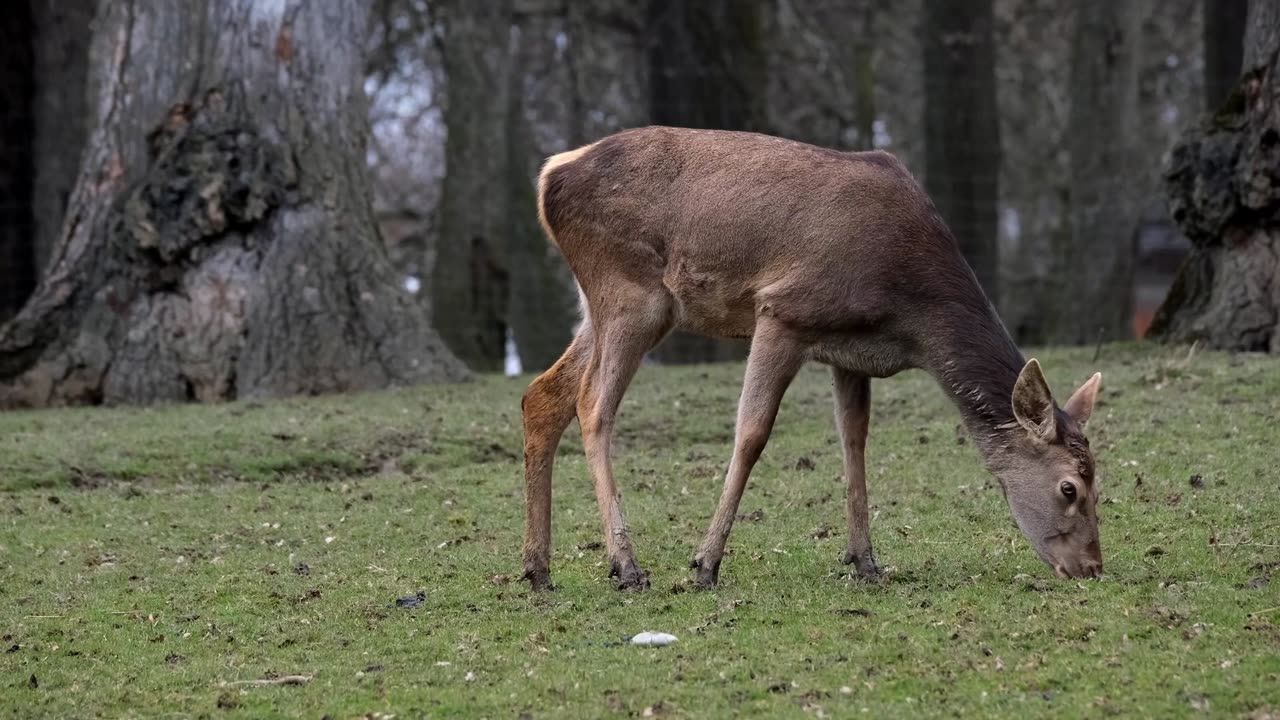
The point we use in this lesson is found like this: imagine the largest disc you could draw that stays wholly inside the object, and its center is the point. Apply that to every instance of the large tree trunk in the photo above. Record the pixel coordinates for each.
(708, 65)
(962, 128)
(1224, 27)
(220, 242)
(471, 282)
(61, 112)
(1223, 182)
(1094, 261)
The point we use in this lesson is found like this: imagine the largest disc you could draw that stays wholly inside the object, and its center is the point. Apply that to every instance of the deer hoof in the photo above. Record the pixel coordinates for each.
(864, 563)
(708, 575)
(629, 576)
(539, 579)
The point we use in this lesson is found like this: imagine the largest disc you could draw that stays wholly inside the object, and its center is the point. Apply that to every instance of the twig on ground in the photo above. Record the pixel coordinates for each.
(282, 680)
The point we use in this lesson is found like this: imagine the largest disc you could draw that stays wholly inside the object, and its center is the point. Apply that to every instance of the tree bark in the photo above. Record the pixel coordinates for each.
(17, 129)
(962, 128)
(1094, 257)
(707, 60)
(1223, 184)
(61, 112)
(471, 282)
(219, 242)
(1224, 27)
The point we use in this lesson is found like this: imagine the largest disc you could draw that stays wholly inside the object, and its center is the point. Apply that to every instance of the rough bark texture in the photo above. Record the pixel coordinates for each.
(1094, 259)
(17, 267)
(962, 128)
(471, 281)
(1224, 27)
(708, 61)
(220, 242)
(61, 112)
(1223, 182)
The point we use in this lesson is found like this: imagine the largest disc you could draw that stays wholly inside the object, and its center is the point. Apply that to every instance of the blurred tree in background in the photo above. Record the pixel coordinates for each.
(1091, 280)
(1039, 127)
(962, 128)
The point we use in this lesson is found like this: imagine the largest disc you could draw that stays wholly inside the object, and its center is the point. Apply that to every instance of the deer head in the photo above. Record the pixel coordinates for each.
(1047, 472)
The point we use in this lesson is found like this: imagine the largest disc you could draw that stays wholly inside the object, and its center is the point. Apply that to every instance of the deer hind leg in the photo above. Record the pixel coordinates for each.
(774, 360)
(628, 323)
(548, 407)
(853, 415)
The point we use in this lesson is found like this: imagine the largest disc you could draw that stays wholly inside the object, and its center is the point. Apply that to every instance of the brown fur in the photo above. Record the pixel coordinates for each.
(815, 254)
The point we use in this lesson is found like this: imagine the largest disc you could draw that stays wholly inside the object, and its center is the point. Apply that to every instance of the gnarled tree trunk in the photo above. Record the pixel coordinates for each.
(220, 242)
(1223, 182)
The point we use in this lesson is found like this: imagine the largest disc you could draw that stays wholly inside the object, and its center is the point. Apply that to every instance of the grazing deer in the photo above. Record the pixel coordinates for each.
(814, 254)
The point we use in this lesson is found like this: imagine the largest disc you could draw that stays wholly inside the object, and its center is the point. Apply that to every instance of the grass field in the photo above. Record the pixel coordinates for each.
(153, 562)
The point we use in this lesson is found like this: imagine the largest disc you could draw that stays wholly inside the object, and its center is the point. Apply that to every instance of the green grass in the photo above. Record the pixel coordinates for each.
(151, 557)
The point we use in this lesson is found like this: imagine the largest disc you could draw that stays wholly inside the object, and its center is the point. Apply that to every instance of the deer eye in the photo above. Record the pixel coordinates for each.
(1068, 491)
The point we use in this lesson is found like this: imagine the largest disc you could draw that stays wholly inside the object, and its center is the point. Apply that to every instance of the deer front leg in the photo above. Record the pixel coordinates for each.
(853, 415)
(772, 364)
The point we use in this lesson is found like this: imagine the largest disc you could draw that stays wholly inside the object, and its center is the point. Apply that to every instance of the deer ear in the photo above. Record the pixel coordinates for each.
(1080, 406)
(1033, 403)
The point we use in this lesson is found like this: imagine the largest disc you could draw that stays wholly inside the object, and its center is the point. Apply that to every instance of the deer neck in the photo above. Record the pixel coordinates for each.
(977, 363)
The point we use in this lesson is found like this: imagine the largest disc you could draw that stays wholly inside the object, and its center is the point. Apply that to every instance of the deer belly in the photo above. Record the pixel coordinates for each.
(709, 307)
(864, 353)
